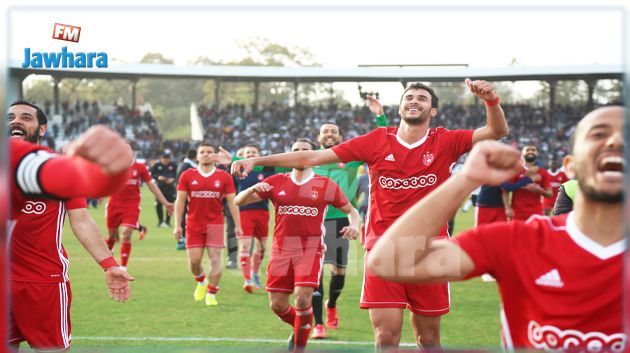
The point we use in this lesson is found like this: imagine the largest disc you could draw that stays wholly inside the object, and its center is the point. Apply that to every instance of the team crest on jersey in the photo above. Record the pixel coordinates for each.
(217, 183)
(261, 177)
(134, 173)
(427, 158)
(314, 194)
(341, 165)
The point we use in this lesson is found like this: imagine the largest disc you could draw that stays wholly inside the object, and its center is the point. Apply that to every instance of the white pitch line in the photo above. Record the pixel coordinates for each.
(224, 339)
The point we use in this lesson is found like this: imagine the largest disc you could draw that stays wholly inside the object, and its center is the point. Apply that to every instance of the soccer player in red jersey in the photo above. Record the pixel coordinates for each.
(204, 188)
(405, 163)
(557, 177)
(46, 186)
(123, 209)
(527, 200)
(559, 277)
(300, 199)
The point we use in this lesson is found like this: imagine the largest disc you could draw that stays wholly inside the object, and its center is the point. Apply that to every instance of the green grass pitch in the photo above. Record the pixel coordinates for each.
(162, 316)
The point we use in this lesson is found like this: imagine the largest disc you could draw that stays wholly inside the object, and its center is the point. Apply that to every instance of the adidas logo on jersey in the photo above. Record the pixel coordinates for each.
(550, 279)
(390, 158)
(195, 182)
(282, 193)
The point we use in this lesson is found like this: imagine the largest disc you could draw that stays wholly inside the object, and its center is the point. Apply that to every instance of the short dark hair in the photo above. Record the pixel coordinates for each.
(206, 144)
(420, 85)
(252, 145)
(191, 154)
(307, 140)
(330, 122)
(42, 119)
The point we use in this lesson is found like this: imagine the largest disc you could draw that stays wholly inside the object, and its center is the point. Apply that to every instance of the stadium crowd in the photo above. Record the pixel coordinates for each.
(275, 126)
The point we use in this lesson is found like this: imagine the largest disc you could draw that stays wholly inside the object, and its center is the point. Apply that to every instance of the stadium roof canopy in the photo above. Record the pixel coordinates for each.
(324, 74)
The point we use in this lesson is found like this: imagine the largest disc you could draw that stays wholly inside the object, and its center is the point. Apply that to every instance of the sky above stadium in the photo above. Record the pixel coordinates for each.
(339, 36)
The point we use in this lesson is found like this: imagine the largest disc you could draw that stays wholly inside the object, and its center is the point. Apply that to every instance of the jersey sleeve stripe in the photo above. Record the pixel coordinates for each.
(28, 170)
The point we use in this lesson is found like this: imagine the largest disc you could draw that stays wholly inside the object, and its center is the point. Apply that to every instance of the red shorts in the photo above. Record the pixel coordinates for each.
(40, 314)
(485, 215)
(255, 223)
(292, 268)
(421, 299)
(205, 236)
(120, 215)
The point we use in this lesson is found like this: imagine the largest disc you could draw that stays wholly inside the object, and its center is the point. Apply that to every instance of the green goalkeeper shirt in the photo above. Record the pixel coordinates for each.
(345, 175)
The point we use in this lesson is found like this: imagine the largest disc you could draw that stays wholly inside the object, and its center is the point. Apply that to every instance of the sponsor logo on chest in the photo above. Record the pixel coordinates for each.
(205, 194)
(34, 207)
(554, 339)
(298, 210)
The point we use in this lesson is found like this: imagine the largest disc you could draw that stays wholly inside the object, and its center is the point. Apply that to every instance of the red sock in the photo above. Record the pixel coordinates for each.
(125, 252)
(110, 242)
(258, 257)
(245, 261)
(201, 277)
(287, 316)
(302, 327)
(212, 289)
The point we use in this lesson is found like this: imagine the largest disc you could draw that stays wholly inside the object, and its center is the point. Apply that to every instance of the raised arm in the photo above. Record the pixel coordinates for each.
(300, 159)
(89, 235)
(96, 165)
(496, 125)
(408, 252)
(249, 195)
(377, 109)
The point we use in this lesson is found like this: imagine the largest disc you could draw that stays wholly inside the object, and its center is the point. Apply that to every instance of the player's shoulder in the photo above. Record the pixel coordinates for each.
(140, 165)
(539, 228)
(222, 173)
(188, 172)
(441, 130)
(20, 148)
(321, 178)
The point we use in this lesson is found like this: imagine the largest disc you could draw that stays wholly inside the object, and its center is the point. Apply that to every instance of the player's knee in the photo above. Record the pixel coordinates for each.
(386, 338)
(303, 300)
(278, 306)
(429, 338)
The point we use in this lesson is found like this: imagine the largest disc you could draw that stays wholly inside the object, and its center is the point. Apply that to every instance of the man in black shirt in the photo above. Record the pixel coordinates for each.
(164, 173)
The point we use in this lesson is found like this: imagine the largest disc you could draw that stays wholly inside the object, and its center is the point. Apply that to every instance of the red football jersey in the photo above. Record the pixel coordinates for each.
(205, 194)
(301, 208)
(401, 174)
(130, 193)
(37, 254)
(560, 289)
(525, 202)
(556, 179)
(26, 162)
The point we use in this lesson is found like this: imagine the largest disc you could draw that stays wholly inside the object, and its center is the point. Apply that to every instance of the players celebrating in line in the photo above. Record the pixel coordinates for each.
(204, 188)
(300, 199)
(560, 278)
(405, 164)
